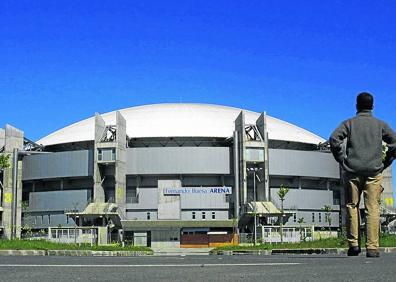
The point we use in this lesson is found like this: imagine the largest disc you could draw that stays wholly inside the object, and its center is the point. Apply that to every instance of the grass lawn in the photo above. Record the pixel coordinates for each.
(385, 241)
(46, 245)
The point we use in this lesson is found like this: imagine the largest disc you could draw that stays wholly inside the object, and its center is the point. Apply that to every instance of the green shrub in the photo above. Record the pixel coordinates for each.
(46, 245)
(341, 242)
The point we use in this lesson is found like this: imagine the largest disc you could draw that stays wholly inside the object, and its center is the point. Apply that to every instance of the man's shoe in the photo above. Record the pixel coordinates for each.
(372, 254)
(353, 251)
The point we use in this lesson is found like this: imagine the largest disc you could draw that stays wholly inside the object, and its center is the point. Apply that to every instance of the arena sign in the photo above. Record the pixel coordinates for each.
(198, 190)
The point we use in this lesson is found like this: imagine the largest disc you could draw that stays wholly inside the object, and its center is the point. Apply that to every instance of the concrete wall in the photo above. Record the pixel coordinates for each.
(203, 201)
(148, 199)
(318, 219)
(304, 199)
(48, 208)
(168, 206)
(58, 200)
(39, 220)
(302, 163)
(178, 160)
(167, 238)
(55, 165)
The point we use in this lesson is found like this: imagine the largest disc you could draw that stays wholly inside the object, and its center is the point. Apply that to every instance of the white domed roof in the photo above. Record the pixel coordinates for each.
(180, 120)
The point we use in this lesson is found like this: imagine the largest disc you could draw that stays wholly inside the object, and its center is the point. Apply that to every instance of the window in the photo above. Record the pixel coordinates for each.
(132, 195)
(203, 215)
(113, 154)
(107, 154)
(320, 217)
(313, 217)
(193, 215)
(148, 216)
(213, 215)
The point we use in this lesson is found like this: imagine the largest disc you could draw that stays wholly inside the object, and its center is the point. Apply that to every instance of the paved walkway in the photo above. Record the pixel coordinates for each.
(181, 251)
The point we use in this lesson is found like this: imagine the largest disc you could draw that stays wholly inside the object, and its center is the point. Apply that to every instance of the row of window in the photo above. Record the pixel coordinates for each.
(313, 217)
(203, 215)
(194, 215)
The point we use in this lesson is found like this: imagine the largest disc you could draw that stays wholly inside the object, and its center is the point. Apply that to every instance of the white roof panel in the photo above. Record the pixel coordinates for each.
(180, 120)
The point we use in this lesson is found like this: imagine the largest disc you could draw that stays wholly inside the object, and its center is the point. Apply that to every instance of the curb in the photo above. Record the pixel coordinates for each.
(317, 251)
(69, 253)
(320, 251)
(243, 252)
(22, 253)
(75, 253)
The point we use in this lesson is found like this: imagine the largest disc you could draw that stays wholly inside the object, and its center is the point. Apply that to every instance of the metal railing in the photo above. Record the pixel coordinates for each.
(73, 235)
(273, 235)
(290, 235)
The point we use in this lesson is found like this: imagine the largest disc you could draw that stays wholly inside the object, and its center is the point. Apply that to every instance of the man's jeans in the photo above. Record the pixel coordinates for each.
(371, 188)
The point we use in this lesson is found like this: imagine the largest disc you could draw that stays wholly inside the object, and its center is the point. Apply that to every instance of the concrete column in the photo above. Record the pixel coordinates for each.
(240, 128)
(266, 160)
(98, 191)
(120, 164)
(13, 140)
(387, 183)
(2, 143)
(263, 187)
(343, 211)
(236, 176)
(2, 138)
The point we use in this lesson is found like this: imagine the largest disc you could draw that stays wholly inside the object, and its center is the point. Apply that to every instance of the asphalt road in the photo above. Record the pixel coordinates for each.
(199, 268)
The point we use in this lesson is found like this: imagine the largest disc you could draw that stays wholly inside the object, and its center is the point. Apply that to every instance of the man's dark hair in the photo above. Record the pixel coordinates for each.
(364, 101)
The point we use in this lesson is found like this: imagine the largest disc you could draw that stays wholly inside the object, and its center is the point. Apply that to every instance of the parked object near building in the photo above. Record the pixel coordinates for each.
(170, 175)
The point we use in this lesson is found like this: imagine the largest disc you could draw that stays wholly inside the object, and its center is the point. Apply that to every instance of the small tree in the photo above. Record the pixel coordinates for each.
(300, 223)
(283, 190)
(27, 219)
(384, 150)
(234, 225)
(4, 163)
(328, 210)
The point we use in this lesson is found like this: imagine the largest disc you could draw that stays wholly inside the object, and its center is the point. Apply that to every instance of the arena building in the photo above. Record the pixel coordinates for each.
(170, 175)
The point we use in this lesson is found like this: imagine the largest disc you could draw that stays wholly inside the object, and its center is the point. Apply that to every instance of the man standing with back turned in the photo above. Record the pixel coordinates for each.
(362, 163)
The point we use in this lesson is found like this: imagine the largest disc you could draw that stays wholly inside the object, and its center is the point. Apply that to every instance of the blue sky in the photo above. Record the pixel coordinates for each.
(301, 61)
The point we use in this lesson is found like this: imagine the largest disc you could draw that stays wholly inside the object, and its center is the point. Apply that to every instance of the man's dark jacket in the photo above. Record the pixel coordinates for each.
(364, 135)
